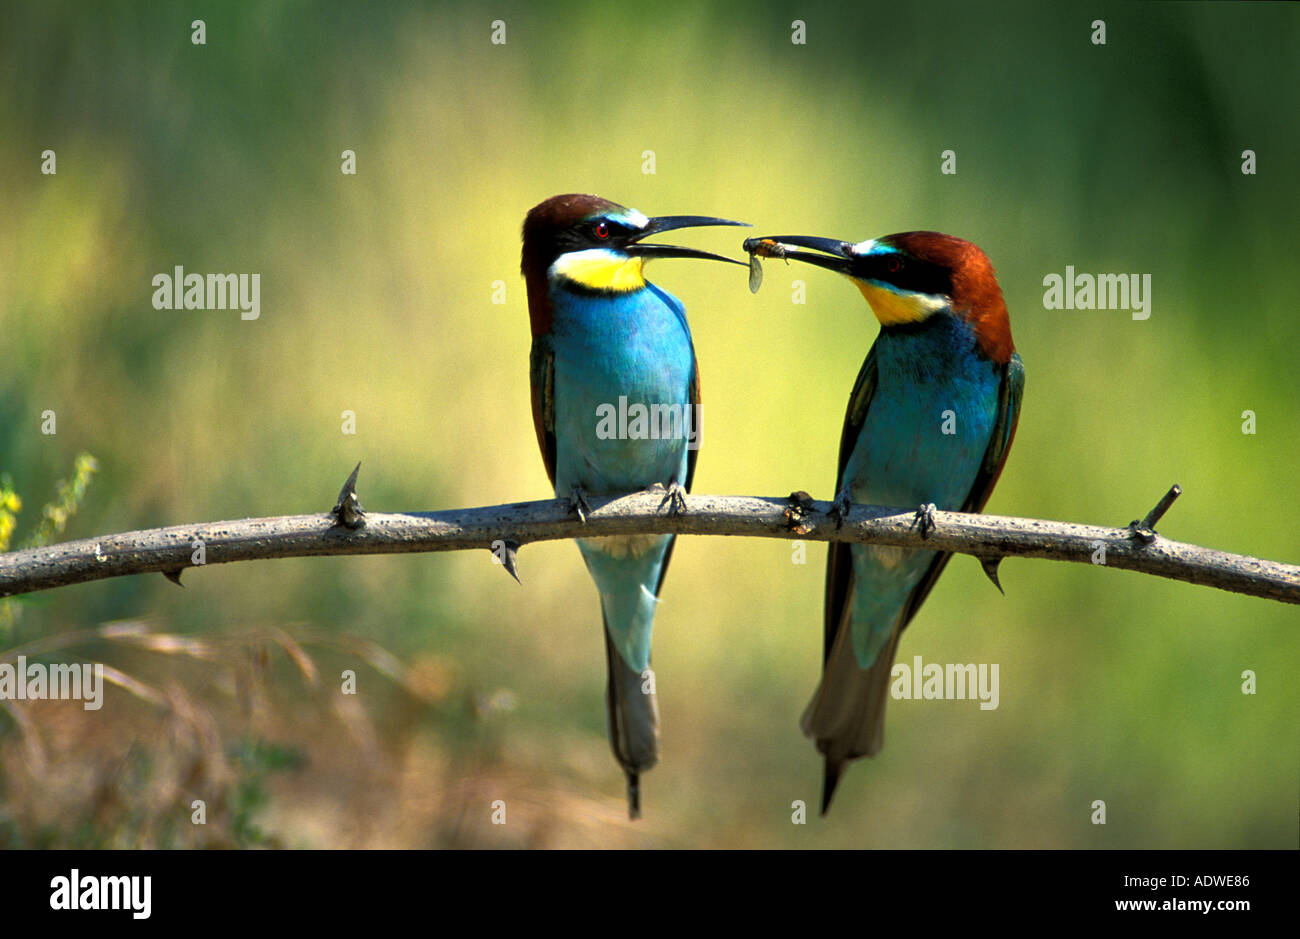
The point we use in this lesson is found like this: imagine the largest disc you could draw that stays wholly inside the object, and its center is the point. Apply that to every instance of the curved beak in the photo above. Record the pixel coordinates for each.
(668, 223)
(836, 256)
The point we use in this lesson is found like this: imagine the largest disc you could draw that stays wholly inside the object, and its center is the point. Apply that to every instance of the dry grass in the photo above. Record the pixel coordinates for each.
(249, 723)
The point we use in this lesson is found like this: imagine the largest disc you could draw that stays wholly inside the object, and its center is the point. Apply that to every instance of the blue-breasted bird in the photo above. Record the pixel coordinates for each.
(607, 342)
(930, 422)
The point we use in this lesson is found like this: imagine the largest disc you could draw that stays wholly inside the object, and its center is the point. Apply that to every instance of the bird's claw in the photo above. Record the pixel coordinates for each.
(674, 497)
(840, 508)
(924, 519)
(578, 503)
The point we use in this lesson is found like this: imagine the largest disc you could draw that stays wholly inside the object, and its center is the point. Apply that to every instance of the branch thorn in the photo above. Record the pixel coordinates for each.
(507, 558)
(1145, 530)
(347, 511)
(990, 566)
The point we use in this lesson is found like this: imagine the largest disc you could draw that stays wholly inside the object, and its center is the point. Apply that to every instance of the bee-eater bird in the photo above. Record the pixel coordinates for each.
(930, 422)
(606, 342)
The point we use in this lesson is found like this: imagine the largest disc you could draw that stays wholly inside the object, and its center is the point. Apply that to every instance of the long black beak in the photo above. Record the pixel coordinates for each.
(668, 223)
(836, 257)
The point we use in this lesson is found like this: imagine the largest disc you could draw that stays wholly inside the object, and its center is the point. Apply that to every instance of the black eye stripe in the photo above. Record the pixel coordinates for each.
(911, 274)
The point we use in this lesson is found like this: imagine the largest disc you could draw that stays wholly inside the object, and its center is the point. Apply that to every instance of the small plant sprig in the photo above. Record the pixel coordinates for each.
(68, 498)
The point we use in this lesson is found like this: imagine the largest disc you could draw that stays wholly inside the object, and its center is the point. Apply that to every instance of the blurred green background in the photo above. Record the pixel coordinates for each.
(377, 298)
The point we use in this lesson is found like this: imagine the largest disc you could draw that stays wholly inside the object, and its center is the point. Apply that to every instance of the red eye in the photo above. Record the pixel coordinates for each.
(602, 229)
(893, 265)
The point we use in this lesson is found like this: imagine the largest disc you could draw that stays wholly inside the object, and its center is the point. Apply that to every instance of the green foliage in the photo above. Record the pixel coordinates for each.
(255, 760)
(10, 505)
(67, 500)
(55, 514)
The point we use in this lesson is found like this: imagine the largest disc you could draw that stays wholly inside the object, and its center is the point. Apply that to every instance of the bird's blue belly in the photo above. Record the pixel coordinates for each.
(923, 440)
(635, 347)
(622, 393)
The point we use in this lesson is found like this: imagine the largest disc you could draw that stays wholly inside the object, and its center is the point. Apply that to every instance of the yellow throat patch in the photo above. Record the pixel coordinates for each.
(599, 269)
(893, 308)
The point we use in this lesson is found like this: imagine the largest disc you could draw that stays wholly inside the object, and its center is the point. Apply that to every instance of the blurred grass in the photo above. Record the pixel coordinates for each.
(376, 299)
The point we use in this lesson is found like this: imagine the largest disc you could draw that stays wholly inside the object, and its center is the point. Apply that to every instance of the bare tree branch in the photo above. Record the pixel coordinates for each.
(503, 528)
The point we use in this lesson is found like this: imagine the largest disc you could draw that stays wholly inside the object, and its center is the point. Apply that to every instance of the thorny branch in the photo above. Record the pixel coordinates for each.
(503, 529)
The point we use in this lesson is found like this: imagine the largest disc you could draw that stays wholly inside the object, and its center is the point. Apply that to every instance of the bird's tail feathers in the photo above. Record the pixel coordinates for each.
(633, 714)
(847, 713)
